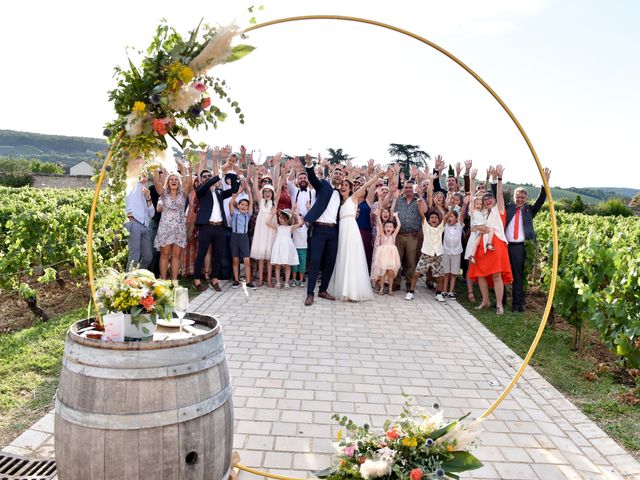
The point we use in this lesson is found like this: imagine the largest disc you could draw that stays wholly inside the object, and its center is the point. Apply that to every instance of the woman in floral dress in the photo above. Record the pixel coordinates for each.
(171, 238)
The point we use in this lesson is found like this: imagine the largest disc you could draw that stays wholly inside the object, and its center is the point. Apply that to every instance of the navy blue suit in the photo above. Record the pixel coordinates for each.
(323, 245)
(212, 234)
(517, 251)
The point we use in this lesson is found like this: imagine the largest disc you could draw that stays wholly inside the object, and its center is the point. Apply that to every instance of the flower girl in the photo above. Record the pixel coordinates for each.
(284, 252)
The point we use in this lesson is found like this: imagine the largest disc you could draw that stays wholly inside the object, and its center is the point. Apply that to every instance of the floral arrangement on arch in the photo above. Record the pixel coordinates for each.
(137, 293)
(168, 93)
(415, 446)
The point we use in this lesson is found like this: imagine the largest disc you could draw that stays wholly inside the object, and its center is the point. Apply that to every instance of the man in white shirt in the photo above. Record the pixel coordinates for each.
(139, 211)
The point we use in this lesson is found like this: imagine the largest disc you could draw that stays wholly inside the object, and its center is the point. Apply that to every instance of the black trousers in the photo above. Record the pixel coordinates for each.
(517, 255)
(323, 249)
(210, 235)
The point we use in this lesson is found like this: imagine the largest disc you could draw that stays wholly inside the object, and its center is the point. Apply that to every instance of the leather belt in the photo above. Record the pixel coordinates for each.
(324, 224)
(216, 224)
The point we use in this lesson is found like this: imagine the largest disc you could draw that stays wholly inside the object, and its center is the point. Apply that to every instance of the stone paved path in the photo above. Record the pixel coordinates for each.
(293, 366)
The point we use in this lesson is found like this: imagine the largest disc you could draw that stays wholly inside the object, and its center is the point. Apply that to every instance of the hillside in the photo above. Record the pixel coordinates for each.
(50, 148)
(557, 193)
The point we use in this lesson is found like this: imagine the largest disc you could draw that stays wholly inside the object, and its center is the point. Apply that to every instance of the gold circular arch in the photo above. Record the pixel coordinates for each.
(477, 77)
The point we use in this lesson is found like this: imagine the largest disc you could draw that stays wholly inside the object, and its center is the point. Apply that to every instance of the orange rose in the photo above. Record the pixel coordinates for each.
(147, 302)
(393, 434)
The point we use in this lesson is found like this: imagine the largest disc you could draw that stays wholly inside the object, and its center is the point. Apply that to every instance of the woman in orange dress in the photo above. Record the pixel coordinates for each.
(492, 267)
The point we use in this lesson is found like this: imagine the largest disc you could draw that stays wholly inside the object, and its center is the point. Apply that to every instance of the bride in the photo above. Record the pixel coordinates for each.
(350, 279)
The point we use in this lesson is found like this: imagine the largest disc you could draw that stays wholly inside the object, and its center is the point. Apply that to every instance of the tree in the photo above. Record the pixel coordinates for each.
(407, 156)
(578, 205)
(338, 156)
(634, 204)
(613, 207)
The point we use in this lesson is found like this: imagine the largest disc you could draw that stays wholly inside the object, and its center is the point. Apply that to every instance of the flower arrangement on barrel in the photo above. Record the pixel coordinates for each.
(169, 92)
(137, 294)
(414, 446)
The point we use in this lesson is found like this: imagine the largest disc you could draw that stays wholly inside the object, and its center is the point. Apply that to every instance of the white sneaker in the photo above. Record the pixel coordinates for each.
(409, 296)
(440, 297)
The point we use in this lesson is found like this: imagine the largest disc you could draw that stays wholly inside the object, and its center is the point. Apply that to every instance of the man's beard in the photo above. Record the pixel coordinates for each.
(303, 184)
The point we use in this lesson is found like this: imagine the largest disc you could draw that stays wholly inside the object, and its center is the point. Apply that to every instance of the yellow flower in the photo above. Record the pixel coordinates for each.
(159, 291)
(409, 442)
(186, 74)
(450, 448)
(339, 436)
(139, 107)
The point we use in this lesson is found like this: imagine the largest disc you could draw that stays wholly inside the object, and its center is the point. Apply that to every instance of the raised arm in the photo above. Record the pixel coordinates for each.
(398, 225)
(542, 196)
(271, 220)
(499, 195)
(185, 170)
(233, 204)
(311, 173)
(421, 205)
(359, 194)
(157, 182)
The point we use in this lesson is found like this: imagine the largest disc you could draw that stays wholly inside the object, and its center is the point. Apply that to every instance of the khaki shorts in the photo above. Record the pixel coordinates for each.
(451, 264)
(433, 262)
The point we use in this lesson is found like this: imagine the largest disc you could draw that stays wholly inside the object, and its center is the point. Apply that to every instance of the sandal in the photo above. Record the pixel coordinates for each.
(286, 285)
(499, 310)
(471, 297)
(482, 306)
(277, 285)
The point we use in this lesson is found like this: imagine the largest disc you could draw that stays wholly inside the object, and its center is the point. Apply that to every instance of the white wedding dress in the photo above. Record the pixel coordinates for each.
(350, 279)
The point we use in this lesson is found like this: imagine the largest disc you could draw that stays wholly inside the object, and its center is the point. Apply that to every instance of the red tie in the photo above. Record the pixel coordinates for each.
(516, 227)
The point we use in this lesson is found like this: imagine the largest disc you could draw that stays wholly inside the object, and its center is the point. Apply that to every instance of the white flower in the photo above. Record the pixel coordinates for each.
(433, 422)
(184, 98)
(468, 434)
(374, 469)
(386, 454)
(134, 124)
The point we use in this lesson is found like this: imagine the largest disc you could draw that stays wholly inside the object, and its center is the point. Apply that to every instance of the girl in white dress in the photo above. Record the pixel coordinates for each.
(263, 236)
(350, 279)
(284, 252)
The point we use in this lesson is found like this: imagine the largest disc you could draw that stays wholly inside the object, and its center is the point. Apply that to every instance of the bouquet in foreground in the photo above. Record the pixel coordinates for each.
(414, 446)
(137, 293)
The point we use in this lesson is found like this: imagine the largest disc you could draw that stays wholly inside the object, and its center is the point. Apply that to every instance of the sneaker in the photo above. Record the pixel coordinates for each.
(409, 296)
(301, 283)
(440, 297)
(235, 284)
(452, 295)
(251, 286)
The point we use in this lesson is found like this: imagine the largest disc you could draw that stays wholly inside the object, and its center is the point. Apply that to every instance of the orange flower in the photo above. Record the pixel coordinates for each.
(392, 434)
(450, 448)
(147, 302)
(416, 474)
(206, 102)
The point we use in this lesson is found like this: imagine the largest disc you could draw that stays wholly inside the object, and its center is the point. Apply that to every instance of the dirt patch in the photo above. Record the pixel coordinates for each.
(55, 298)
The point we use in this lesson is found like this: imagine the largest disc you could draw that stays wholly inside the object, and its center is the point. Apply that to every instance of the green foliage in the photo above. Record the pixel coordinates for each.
(408, 156)
(598, 276)
(43, 230)
(337, 156)
(15, 171)
(578, 205)
(612, 208)
(29, 370)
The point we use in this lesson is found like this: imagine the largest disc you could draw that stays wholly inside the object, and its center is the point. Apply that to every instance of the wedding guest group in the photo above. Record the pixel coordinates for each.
(340, 231)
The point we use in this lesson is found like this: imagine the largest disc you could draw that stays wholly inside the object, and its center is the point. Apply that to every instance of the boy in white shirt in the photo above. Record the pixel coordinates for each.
(431, 253)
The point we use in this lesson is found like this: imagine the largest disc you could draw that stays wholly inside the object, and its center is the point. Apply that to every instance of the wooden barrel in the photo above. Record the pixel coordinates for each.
(144, 410)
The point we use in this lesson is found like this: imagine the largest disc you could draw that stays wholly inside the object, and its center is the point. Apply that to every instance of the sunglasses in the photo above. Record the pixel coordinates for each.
(204, 176)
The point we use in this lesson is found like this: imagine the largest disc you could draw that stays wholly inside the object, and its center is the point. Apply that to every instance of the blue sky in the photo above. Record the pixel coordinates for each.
(569, 71)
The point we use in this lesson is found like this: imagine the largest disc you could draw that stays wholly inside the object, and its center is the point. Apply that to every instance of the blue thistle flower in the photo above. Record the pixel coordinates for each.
(155, 99)
(107, 132)
(429, 442)
(439, 473)
(436, 406)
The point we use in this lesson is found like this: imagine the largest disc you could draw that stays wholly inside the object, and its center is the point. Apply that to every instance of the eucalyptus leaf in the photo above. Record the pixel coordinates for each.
(238, 52)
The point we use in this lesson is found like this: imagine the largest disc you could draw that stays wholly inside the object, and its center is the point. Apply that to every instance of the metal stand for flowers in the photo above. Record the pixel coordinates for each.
(493, 94)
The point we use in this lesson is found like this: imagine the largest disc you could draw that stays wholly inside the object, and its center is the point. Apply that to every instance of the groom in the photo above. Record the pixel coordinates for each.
(323, 244)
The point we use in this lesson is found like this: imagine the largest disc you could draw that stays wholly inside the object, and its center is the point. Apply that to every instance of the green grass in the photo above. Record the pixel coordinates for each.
(564, 368)
(29, 369)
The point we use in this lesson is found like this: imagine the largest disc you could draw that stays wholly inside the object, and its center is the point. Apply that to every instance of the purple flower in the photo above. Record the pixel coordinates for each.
(439, 473)
(429, 442)
(155, 99)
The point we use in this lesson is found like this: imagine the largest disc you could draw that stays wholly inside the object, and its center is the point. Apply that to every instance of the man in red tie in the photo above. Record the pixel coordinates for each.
(520, 228)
